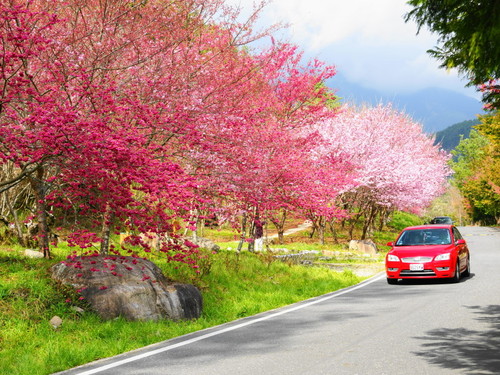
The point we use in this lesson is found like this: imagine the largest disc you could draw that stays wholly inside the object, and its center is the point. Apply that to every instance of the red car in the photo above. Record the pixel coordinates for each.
(428, 251)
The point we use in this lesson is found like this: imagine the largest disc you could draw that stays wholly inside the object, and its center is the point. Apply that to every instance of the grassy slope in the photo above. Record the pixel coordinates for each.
(233, 286)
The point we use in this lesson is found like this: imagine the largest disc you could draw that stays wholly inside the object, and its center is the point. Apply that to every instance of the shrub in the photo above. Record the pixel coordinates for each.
(401, 220)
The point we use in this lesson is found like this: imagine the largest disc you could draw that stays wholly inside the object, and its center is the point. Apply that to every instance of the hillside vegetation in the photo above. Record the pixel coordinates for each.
(450, 137)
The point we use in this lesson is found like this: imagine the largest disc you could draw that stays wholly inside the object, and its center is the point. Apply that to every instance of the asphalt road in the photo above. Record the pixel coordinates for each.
(371, 329)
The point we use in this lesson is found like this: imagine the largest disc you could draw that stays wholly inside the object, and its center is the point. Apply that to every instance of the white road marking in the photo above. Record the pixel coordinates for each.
(224, 330)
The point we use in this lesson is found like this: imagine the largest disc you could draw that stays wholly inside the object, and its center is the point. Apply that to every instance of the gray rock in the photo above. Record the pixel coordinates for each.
(133, 288)
(55, 322)
(77, 309)
(303, 257)
(366, 246)
(204, 243)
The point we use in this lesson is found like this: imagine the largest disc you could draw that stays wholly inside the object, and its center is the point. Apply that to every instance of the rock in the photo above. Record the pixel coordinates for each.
(353, 245)
(55, 322)
(280, 250)
(77, 309)
(130, 287)
(303, 257)
(364, 246)
(32, 253)
(204, 243)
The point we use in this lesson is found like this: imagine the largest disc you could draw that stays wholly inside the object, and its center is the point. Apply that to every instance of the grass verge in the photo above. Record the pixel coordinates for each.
(233, 286)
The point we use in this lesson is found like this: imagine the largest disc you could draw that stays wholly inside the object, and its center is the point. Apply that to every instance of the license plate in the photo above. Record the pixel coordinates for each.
(417, 267)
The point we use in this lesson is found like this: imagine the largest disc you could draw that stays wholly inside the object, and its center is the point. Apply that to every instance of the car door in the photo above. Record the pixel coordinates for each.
(462, 250)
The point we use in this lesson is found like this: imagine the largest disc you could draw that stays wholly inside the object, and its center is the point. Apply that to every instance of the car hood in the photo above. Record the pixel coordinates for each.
(409, 251)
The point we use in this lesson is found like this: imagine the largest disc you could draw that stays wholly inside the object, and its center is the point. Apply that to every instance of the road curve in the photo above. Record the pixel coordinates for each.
(373, 328)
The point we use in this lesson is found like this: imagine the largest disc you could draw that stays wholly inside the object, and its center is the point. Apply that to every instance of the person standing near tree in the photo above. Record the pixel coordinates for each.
(258, 235)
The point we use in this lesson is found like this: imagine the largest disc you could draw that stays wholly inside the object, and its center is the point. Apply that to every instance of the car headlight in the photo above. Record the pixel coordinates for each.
(392, 258)
(445, 256)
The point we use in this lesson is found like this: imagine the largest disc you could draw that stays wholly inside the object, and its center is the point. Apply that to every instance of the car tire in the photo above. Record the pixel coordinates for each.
(456, 277)
(467, 270)
(392, 281)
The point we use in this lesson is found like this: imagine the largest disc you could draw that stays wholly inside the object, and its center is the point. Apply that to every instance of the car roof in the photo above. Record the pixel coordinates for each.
(429, 226)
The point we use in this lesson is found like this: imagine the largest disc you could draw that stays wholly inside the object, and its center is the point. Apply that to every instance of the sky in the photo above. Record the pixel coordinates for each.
(366, 40)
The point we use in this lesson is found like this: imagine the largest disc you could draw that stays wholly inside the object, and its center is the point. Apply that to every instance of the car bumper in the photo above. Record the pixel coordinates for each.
(429, 271)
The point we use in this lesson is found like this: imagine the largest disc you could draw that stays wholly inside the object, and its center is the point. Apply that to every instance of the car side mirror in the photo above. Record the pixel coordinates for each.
(391, 244)
(461, 242)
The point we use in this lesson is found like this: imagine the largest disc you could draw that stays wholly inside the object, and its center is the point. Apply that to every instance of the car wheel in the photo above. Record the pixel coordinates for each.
(392, 281)
(467, 270)
(456, 277)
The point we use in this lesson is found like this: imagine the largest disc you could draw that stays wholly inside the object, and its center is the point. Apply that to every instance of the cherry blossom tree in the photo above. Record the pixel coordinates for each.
(67, 119)
(125, 116)
(106, 103)
(397, 164)
(262, 163)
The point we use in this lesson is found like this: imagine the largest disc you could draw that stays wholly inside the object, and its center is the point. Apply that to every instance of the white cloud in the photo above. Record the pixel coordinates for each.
(368, 41)
(321, 23)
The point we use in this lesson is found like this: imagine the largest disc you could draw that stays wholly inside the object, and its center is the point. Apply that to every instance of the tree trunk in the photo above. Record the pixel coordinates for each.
(334, 232)
(384, 214)
(17, 225)
(251, 244)
(280, 226)
(39, 190)
(106, 230)
(321, 229)
(281, 237)
(313, 219)
(243, 231)
(369, 221)
(354, 221)
(193, 217)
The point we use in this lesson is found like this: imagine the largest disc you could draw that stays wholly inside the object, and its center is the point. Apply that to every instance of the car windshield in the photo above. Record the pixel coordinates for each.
(413, 237)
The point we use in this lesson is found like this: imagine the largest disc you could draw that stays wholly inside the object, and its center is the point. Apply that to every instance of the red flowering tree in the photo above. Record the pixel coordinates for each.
(261, 161)
(105, 104)
(92, 110)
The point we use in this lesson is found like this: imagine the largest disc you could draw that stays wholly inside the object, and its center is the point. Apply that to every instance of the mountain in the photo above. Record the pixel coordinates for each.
(435, 108)
(450, 137)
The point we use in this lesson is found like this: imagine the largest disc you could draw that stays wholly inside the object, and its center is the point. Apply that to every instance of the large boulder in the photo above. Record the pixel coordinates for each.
(363, 246)
(130, 287)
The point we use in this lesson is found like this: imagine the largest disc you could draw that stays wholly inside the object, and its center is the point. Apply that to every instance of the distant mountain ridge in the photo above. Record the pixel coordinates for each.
(435, 108)
(450, 137)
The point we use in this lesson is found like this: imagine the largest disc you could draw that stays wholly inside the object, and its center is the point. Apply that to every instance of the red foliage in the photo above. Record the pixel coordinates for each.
(128, 115)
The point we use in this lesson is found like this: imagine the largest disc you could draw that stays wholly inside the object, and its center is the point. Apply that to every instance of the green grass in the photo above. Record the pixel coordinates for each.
(233, 286)
(400, 220)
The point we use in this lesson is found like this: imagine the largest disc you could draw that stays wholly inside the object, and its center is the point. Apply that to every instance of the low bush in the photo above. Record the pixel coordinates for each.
(400, 220)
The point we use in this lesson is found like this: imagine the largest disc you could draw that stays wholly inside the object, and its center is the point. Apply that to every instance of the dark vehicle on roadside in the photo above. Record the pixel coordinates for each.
(428, 252)
(442, 220)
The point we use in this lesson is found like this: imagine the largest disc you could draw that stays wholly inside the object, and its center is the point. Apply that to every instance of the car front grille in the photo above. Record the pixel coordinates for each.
(416, 259)
(417, 273)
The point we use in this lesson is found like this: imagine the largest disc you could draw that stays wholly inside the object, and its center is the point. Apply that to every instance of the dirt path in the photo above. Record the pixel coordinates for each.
(306, 224)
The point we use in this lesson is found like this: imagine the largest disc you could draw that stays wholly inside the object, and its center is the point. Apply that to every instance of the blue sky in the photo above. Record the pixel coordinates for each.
(367, 40)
